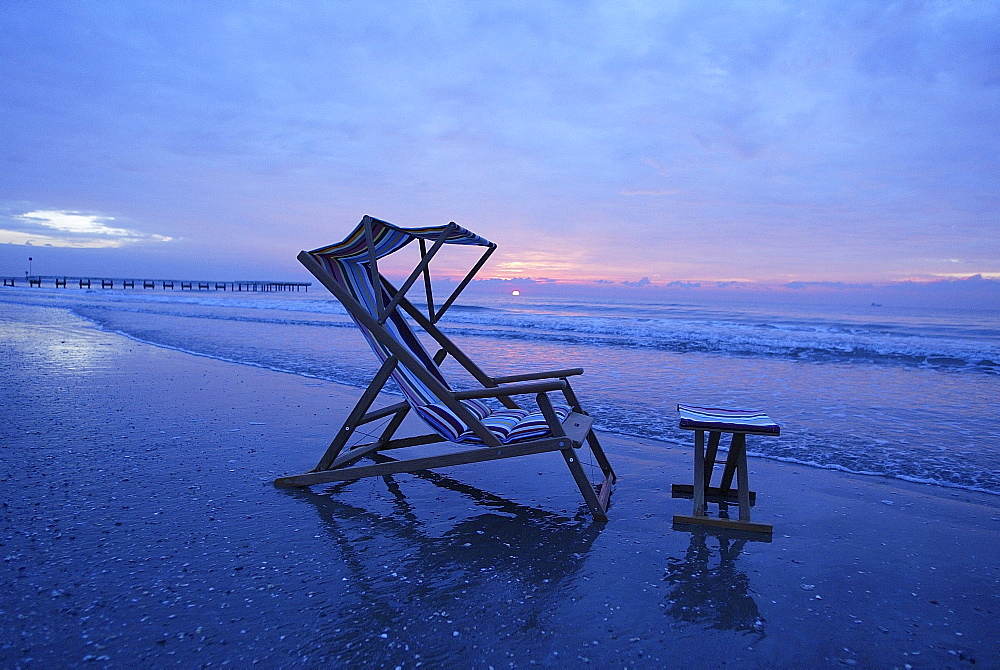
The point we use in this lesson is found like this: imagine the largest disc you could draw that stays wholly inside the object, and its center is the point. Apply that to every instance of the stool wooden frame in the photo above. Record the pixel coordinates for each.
(735, 465)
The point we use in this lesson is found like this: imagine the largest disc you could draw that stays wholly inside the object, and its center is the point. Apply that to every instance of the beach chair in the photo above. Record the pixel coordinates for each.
(473, 429)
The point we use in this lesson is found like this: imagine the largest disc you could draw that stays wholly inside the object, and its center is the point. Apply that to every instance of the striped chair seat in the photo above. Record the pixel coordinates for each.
(509, 425)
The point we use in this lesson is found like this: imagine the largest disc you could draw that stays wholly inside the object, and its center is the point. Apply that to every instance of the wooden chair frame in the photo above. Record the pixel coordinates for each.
(566, 437)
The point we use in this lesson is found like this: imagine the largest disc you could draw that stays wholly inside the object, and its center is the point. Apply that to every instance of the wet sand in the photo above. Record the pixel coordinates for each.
(139, 526)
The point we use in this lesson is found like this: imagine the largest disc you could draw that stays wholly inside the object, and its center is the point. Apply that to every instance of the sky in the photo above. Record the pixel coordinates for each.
(658, 143)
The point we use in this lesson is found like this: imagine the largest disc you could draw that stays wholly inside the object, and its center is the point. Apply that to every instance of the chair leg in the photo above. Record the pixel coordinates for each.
(393, 425)
(595, 445)
(353, 419)
(586, 488)
(604, 490)
(602, 458)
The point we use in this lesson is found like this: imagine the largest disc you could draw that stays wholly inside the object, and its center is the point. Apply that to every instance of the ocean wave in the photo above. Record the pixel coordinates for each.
(931, 343)
(847, 455)
(697, 338)
(738, 342)
(619, 408)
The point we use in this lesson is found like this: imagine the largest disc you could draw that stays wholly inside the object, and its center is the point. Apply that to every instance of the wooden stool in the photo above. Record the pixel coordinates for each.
(739, 424)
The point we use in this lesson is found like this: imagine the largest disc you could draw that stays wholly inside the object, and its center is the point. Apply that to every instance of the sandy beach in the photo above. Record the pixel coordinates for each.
(140, 528)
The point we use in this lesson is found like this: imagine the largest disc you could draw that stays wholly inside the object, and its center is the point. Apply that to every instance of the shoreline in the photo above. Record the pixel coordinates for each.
(604, 431)
(141, 525)
(897, 421)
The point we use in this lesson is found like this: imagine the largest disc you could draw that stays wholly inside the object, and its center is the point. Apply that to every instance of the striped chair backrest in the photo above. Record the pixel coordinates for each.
(348, 263)
(357, 280)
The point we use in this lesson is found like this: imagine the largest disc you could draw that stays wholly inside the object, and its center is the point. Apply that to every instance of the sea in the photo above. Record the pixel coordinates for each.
(907, 393)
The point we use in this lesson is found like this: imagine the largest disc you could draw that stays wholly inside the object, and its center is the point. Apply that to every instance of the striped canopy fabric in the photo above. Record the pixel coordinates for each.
(713, 418)
(388, 238)
(348, 262)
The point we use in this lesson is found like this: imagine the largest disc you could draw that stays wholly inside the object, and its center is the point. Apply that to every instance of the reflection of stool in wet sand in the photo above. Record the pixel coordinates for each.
(739, 424)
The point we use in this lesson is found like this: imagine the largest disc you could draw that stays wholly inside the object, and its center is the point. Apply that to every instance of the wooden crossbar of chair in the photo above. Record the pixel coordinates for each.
(566, 437)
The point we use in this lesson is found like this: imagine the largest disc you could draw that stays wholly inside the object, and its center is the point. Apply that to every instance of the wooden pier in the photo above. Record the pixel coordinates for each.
(56, 281)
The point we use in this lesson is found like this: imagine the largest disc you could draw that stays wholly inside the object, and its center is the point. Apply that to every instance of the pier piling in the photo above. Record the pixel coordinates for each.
(165, 284)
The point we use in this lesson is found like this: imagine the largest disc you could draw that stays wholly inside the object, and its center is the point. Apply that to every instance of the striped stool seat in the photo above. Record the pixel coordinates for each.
(727, 420)
(738, 423)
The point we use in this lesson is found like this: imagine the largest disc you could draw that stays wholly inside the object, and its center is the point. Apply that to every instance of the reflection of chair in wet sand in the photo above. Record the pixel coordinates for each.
(419, 576)
(532, 544)
(715, 594)
(487, 569)
(349, 270)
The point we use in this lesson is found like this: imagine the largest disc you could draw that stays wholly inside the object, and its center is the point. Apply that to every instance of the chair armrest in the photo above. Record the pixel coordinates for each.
(555, 374)
(513, 389)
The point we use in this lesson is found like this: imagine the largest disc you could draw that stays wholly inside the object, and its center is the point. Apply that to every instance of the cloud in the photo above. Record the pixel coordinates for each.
(966, 276)
(799, 285)
(640, 282)
(628, 193)
(60, 228)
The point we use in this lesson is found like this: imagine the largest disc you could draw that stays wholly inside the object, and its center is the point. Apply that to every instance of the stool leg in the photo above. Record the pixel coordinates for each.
(710, 456)
(742, 477)
(732, 459)
(698, 492)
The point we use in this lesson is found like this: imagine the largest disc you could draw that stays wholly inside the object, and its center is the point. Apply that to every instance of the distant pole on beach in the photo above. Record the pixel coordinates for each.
(29, 266)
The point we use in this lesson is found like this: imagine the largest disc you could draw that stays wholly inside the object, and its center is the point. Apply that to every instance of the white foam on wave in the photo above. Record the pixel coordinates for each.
(930, 342)
(216, 357)
(918, 467)
(872, 473)
(686, 443)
